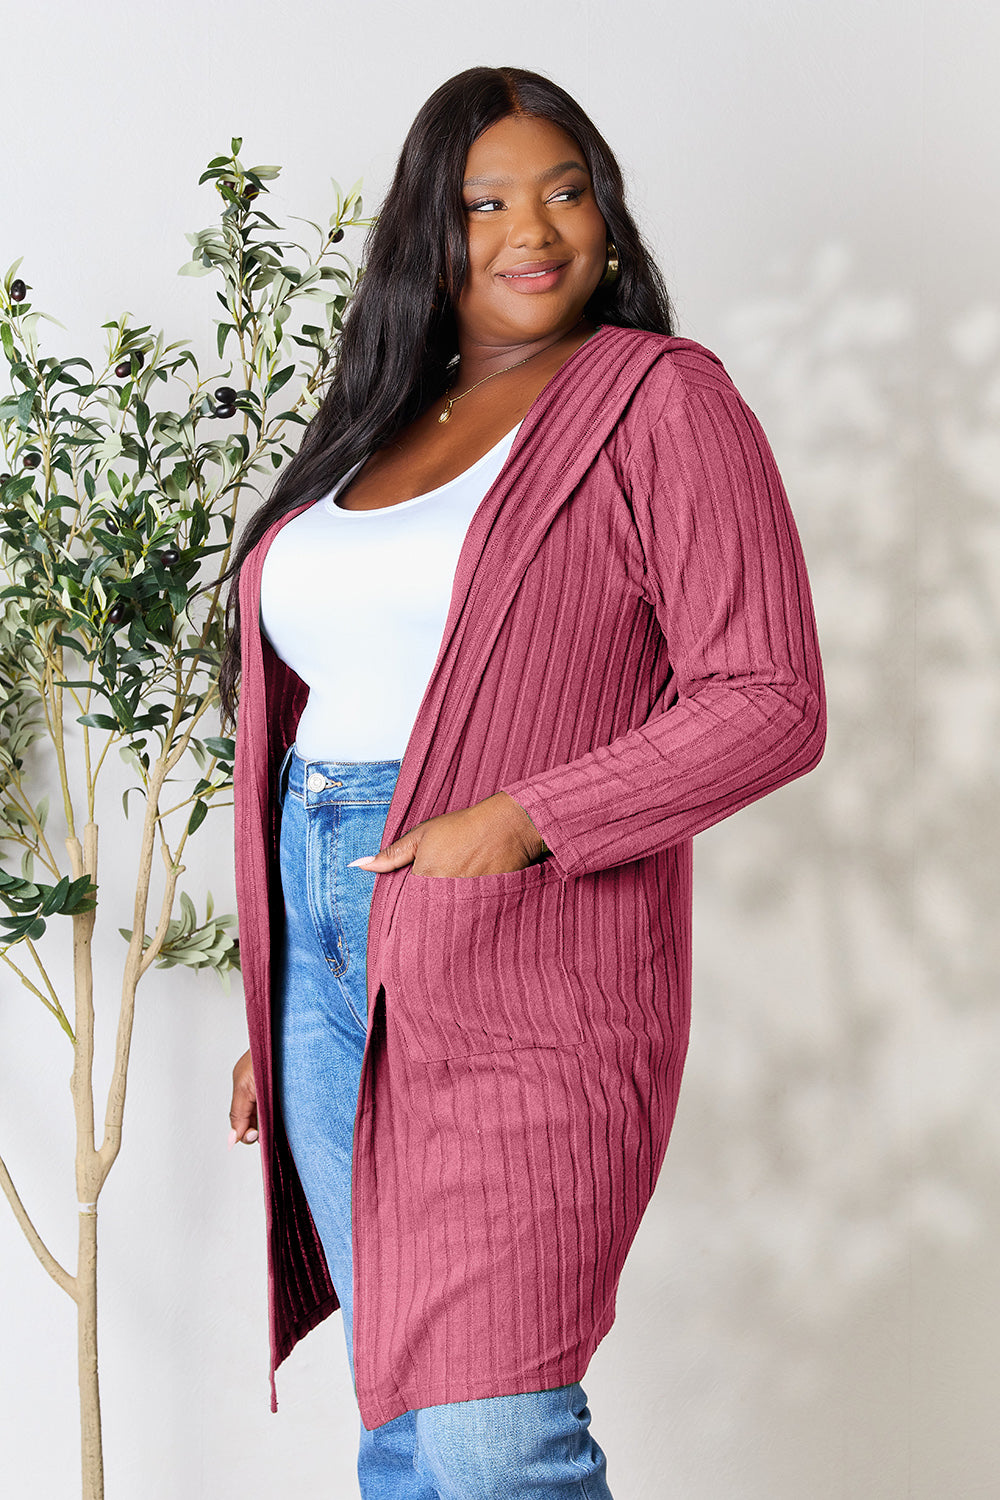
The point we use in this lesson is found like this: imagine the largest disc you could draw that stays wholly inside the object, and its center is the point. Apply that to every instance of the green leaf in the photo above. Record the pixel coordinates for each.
(198, 815)
(98, 721)
(14, 489)
(25, 403)
(81, 897)
(277, 381)
(222, 749)
(141, 418)
(55, 897)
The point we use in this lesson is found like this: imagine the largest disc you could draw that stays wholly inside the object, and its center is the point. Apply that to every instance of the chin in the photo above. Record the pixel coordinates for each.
(541, 313)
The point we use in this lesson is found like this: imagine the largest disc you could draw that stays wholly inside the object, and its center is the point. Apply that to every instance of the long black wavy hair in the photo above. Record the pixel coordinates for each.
(400, 335)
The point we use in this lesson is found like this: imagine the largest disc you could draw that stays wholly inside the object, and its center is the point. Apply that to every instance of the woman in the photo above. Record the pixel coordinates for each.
(513, 627)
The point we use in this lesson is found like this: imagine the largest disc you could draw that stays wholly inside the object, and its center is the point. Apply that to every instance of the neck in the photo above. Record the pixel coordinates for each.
(478, 359)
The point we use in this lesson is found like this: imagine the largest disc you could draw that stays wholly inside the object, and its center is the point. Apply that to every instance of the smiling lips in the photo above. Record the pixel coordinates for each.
(534, 275)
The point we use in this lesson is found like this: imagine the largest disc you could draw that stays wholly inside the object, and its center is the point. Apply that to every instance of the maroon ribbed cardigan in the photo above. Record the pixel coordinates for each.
(631, 653)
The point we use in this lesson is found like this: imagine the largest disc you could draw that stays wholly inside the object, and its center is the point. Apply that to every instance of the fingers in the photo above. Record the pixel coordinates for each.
(243, 1112)
(393, 857)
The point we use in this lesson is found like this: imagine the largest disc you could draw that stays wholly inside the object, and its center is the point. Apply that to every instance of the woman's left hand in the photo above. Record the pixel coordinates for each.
(491, 837)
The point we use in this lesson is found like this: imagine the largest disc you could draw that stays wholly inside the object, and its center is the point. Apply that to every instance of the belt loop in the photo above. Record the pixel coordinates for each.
(283, 773)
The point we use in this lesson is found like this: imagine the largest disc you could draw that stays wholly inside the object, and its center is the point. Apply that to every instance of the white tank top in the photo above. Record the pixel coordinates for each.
(355, 602)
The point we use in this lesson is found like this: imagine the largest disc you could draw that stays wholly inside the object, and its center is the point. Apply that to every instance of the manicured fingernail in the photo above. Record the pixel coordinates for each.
(366, 859)
(250, 1137)
(232, 1139)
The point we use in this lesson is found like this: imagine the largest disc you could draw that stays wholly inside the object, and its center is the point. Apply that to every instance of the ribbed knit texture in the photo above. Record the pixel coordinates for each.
(630, 653)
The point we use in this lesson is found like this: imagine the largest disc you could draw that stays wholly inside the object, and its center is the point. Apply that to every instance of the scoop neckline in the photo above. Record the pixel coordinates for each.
(553, 380)
(331, 504)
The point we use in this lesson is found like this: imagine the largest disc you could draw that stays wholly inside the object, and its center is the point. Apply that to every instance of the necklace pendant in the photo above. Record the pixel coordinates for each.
(445, 414)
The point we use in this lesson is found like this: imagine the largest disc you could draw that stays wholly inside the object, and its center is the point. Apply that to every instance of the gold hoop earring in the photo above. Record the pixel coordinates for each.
(612, 268)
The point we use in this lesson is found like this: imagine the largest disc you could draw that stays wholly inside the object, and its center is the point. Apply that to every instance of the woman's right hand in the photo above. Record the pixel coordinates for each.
(243, 1114)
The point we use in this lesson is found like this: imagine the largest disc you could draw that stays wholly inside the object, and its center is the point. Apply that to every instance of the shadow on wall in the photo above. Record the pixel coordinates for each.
(819, 1248)
(888, 439)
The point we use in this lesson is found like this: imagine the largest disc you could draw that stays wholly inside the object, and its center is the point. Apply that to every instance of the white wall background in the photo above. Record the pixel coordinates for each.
(811, 1308)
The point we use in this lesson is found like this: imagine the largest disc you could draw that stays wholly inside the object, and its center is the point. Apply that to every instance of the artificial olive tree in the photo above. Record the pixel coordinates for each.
(115, 518)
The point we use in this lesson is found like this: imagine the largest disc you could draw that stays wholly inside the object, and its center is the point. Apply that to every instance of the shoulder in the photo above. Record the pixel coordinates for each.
(674, 382)
(683, 402)
(672, 367)
(681, 392)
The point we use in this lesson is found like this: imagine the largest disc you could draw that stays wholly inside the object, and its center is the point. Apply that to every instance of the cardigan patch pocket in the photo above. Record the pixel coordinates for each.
(470, 971)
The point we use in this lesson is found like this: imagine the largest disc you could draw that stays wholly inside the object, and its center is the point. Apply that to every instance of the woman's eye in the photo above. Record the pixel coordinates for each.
(572, 193)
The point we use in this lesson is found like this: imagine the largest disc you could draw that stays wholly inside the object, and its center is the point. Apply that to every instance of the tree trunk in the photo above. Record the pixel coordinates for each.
(90, 1176)
(92, 1456)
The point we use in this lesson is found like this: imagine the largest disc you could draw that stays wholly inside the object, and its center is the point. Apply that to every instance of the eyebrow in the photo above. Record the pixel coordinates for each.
(556, 171)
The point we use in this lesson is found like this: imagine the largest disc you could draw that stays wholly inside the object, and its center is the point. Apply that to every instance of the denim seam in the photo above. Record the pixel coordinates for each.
(341, 801)
(335, 969)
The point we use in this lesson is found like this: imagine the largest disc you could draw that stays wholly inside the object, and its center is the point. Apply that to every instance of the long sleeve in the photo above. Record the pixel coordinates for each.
(743, 710)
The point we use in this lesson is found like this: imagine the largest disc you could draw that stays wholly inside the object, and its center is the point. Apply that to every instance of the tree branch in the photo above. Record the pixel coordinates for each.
(174, 872)
(88, 1166)
(115, 1112)
(58, 1273)
(56, 1009)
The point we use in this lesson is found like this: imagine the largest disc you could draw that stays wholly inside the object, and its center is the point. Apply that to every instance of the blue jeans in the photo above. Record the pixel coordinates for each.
(521, 1447)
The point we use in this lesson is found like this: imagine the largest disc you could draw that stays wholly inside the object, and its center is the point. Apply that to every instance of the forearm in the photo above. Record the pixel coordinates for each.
(674, 776)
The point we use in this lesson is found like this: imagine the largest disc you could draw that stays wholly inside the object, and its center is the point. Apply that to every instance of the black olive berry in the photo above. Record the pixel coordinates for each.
(124, 370)
(337, 236)
(31, 460)
(4, 478)
(225, 395)
(117, 613)
(18, 290)
(224, 411)
(169, 556)
(111, 526)
(250, 192)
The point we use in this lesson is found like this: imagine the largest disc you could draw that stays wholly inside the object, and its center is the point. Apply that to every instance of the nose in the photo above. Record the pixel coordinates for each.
(531, 227)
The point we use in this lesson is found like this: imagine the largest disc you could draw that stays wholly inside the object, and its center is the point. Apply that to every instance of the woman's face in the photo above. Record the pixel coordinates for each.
(528, 200)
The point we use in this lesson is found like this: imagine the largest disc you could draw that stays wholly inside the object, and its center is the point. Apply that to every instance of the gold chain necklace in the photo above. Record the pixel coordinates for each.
(451, 402)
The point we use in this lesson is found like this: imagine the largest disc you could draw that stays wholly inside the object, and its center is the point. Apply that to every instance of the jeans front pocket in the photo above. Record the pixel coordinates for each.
(478, 965)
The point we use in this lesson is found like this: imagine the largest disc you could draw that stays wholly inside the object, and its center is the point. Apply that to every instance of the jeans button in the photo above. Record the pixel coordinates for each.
(316, 781)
